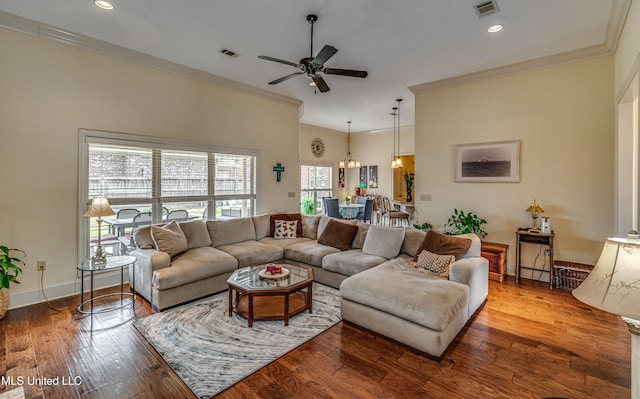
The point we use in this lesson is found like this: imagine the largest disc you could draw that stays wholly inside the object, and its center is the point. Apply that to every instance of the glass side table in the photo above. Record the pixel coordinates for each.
(113, 263)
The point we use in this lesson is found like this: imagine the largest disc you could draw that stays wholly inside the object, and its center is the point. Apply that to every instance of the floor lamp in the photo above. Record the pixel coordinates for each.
(614, 286)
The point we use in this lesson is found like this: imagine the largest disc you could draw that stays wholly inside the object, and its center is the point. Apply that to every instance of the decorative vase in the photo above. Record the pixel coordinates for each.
(409, 197)
(4, 301)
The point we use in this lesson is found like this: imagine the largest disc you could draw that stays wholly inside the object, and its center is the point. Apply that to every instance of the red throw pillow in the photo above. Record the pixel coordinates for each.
(441, 244)
(338, 235)
(286, 217)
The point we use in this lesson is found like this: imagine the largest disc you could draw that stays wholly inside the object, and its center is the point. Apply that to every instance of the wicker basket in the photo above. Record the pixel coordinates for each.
(4, 301)
(569, 275)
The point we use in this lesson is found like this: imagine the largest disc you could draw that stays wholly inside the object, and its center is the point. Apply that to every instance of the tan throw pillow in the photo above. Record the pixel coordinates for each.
(436, 263)
(441, 244)
(286, 216)
(196, 233)
(338, 235)
(285, 229)
(169, 239)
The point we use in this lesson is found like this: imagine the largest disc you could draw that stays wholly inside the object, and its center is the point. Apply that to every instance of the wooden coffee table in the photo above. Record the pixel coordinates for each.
(258, 298)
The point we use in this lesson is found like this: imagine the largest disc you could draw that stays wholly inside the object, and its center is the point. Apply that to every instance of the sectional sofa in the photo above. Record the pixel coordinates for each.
(373, 266)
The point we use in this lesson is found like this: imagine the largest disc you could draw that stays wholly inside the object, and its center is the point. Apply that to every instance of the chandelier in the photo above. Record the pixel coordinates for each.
(349, 162)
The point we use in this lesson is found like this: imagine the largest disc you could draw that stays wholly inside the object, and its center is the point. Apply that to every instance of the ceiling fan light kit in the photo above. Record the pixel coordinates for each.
(313, 67)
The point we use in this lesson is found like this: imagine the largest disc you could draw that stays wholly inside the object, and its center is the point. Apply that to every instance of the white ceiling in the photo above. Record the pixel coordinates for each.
(400, 43)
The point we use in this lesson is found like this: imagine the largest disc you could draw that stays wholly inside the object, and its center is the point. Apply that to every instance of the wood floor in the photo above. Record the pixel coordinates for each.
(527, 342)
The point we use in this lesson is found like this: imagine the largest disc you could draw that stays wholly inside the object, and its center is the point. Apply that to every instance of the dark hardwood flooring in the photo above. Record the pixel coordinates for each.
(527, 342)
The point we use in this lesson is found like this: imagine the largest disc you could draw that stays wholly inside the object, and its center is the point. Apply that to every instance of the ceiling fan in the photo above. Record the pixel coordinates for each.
(313, 66)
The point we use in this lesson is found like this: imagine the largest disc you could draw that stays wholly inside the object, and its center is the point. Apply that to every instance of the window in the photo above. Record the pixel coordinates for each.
(148, 180)
(316, 182)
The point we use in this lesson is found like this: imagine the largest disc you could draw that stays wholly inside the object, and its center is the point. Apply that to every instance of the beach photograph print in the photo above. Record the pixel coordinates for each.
(488, 162)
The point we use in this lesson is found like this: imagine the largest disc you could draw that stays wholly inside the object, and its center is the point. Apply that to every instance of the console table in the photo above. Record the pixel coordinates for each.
(523, 235)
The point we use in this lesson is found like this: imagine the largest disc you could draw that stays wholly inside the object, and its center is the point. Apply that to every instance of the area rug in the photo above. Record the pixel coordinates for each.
(211, 351)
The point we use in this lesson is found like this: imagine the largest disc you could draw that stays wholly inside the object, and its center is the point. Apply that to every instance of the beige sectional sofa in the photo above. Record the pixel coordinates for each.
(381, 289)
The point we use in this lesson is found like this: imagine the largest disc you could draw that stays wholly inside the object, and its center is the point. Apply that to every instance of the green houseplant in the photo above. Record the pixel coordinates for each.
(462, 223)
(306, 207)
(408, 185)
(9, 270)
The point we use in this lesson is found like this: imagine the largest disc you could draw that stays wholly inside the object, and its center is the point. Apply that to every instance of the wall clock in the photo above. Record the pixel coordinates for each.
(317, 147)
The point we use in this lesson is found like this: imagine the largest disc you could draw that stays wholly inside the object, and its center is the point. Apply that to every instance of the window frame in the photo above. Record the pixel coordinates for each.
(87, 137)
(315, 191)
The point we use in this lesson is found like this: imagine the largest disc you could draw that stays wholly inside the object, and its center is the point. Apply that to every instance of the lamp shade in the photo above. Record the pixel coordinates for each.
(614, 283)
(534, 207)
(99, 207)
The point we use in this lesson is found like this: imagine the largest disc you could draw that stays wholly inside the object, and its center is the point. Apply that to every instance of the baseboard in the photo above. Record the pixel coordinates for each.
(63, 290)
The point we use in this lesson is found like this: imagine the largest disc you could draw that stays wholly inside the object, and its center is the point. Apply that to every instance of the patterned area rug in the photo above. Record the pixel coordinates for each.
(211, 351)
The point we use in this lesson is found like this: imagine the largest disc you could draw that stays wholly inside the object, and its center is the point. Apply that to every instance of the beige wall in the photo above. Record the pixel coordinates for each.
(335, 149)
(50, 90)
(563, 117)
(628, 47)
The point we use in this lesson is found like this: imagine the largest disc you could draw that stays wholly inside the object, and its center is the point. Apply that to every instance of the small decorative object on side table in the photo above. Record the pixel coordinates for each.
(496, 254)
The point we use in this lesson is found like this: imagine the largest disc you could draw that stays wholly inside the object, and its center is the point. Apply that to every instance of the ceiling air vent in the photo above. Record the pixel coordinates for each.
(229, 53)
(486, 8)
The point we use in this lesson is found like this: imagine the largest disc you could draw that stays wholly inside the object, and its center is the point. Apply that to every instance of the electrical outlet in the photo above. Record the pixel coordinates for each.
(547, 252)
(42, 265)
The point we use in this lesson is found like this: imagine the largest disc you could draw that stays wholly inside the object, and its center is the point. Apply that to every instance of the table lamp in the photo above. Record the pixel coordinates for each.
(534, 209)
(99, 207)
(614, 286)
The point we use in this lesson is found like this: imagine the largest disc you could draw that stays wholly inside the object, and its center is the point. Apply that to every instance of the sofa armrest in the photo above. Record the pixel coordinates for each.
(473, 272)
(147, 261)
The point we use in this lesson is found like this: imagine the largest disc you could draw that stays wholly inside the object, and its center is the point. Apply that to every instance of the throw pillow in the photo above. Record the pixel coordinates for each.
(196, 233)
(436, 263)
(169, 239)
(441, 244)
(338, 235)
(285, 216)
(383, 241)
(285, 229)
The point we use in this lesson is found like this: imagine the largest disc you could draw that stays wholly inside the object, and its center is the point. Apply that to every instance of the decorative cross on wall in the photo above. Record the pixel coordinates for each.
(278, 169)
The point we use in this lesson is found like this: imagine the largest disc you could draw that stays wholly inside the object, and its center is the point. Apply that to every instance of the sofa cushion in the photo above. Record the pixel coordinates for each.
(231, 231)
(383, 241)
(285, 216)
(196, 233)
(435, 263)
(350, 262)
(338, 235)
(285, 229)
(262, 225)
(193, 265)
(283, 243)
(309, 252)
(251, 253)
(310, 226)
(142, 238)
(358, 240)
(169, 238)
(441, 244)
(413, 239)
(408, 293)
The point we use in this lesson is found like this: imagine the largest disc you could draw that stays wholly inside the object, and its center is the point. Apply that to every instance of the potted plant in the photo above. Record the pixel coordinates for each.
(9, 270)
(408, 185)
(347, 200)
(306, 207)
(424, 226)
(462, 223)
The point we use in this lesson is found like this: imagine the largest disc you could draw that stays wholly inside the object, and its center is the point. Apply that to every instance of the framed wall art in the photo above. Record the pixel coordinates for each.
(497, 162)
(373, 176)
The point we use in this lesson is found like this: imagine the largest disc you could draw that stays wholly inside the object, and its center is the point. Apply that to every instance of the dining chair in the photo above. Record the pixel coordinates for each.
(179, 215)
(381, 212)
(395, 216)
(141, 219)
(367, 214)
(332, 208)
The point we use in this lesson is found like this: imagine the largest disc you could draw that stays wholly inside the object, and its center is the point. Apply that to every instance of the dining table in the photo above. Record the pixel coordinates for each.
(350, 211)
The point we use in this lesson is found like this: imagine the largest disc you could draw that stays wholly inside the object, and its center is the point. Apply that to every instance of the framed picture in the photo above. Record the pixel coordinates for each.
(373, 176)
(363, 177)
(497, 162)
(341, 177)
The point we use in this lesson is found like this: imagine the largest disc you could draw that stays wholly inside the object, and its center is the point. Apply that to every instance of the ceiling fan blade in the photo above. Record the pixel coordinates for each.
(282, 79)
(265, 57)
(346, 72)
(320, 83)
(324, 54)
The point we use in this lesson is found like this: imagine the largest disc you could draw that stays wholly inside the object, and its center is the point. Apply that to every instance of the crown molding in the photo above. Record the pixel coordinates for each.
(48, 32)
(617, 19)
(537, 63)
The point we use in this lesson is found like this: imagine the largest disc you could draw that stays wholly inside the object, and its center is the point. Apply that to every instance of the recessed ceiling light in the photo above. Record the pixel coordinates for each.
(495, 28)
(105, 5)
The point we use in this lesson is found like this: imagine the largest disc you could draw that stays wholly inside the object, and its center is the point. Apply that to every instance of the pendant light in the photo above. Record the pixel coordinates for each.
(394, 114)
(399, 159)
(349, 162)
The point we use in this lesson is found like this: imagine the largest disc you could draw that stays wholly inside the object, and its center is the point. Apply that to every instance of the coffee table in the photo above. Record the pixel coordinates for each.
(258, 298)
